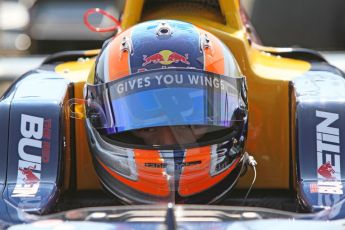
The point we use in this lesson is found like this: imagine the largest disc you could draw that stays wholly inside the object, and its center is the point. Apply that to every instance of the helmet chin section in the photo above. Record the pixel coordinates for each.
(128, 195)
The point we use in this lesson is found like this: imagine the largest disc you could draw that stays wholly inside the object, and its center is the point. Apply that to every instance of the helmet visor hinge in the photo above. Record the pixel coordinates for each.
(126, 45)
(205, 43)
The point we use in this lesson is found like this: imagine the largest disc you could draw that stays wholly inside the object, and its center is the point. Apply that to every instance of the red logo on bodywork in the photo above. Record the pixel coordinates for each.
(29, 176)
(165, 57)
(326, 170)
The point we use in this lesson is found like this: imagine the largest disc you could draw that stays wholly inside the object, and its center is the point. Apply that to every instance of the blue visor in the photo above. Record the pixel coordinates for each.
(165, 97)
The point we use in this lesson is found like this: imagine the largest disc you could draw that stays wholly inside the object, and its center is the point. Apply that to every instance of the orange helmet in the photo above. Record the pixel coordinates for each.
(166, 114)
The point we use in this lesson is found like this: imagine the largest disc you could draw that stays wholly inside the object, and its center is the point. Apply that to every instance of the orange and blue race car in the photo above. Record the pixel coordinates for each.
(285, 148)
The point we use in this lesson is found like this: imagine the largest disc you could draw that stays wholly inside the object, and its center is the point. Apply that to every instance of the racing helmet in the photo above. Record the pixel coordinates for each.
(166, 114)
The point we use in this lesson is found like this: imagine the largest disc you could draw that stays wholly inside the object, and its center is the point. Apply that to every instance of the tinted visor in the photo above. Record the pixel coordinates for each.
(165, 97)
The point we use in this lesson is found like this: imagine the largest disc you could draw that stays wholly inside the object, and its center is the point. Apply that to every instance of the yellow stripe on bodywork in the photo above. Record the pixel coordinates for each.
(78, 73)
(274, 67)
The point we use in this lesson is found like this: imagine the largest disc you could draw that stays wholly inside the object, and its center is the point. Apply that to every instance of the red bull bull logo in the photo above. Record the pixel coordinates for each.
(165, 57)
(326, 170)
(29, 177)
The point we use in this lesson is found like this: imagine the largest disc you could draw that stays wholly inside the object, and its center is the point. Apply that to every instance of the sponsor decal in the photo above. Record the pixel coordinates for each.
(33, 149)
(197, 80)
(46, 140)
(165, 57)
(327, 187)
(177, 165)
(328, 147)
